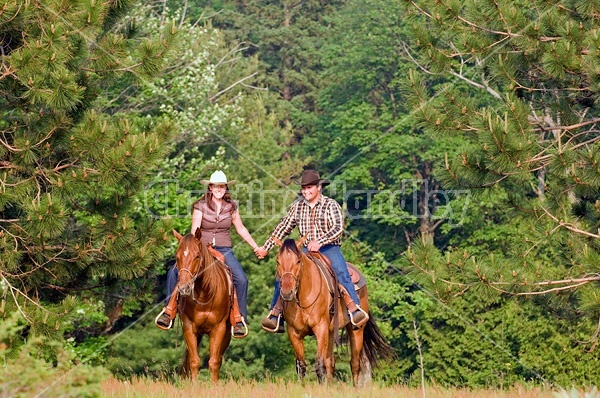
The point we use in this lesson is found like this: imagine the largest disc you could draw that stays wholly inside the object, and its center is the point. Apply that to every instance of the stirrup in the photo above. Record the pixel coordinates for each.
(278, 325)
(358, 326)
(161, 326)
(245, 328)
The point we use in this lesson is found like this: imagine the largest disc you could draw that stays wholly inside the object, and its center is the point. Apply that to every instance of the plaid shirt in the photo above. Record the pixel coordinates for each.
(324, 222)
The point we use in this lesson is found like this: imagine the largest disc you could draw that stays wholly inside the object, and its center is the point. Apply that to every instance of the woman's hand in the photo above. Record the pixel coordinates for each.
(260, 252)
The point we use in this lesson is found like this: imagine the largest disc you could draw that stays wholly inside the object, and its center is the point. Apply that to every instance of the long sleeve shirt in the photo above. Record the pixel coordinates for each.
(323, 222)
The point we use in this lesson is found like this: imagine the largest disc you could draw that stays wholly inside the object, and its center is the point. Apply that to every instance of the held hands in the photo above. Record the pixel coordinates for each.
(260, 252)
(313, 246)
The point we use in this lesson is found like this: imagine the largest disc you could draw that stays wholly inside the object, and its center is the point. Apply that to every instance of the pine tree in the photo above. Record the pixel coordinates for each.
(519, 82)
(285, 36)
(71, 168)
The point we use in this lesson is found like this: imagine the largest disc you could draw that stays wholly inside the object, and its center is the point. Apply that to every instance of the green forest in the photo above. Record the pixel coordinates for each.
(460, 138)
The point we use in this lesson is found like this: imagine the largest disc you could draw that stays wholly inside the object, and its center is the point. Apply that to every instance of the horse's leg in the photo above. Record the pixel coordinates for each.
(356, 340)
(217, 345)
(358, 360)
(226, 341)
(298, 345)
(323, 363)
(364, 376)
(191, 342)
(330, 359)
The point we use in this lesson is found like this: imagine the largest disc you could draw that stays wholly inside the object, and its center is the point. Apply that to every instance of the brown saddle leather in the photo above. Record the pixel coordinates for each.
(217, 254)
(323, 263)
(234, 316)
(355, 275)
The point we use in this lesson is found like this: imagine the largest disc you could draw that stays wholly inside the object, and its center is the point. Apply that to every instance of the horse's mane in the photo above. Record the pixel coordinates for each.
(290, 245)
(210, 272)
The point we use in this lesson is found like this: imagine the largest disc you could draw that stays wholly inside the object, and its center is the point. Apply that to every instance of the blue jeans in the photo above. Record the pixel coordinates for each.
(240, 281)
(338, 263)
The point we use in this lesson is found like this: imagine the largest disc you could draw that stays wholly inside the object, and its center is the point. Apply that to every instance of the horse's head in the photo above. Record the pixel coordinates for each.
(289, 261)
(189, 261)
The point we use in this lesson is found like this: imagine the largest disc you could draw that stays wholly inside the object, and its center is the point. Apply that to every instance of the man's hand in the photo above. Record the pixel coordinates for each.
(313, 246)
(260, 252)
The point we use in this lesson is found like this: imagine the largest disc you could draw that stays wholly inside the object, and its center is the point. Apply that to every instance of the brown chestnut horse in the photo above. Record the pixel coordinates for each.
(306, 304)
(204, 303)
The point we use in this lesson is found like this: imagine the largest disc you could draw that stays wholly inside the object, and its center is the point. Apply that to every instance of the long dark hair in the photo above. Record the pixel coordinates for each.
(208, 196)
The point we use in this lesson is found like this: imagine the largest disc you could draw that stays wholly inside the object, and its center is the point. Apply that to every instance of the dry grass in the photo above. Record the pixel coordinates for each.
(279, 388)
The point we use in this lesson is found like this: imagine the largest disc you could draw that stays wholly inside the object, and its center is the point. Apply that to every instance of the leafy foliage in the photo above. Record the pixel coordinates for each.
(460, 137)
(42, 367)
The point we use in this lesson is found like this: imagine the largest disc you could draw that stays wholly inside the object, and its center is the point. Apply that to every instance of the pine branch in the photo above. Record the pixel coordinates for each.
(74, 289)
(553, 290)
(6, 70)
(570, 127)
(588, 142)
(570, 226)
(563, 281)
(487, 30)
(487, 88)
(15, 293)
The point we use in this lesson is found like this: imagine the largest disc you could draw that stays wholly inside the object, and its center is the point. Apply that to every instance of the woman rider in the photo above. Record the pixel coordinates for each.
(214, 214)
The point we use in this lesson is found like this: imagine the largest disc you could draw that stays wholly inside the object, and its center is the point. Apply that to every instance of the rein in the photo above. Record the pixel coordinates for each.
(192, 281)
(193, 276)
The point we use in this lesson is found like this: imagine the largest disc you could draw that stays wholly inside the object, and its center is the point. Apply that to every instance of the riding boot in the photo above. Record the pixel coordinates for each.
(273, 323)
(164, 320)
(239, 328)
(358, 316)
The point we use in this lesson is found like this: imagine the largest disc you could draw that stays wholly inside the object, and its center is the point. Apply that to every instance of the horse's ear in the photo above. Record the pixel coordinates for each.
(198, 234)
(278, 242)
(301, 242)
(177, 235)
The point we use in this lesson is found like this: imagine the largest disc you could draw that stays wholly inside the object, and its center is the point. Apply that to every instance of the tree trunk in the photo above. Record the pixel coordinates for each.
(424, 211)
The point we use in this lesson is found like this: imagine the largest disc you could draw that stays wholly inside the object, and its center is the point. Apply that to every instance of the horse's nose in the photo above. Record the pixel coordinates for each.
(287, 296)
(185, 290)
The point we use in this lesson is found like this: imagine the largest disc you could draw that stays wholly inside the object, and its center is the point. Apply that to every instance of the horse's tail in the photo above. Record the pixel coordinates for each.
(375, 346)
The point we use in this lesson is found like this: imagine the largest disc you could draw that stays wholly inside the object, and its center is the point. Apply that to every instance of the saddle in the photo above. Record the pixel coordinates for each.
(217, 254)
(235, 316)
(324, 265)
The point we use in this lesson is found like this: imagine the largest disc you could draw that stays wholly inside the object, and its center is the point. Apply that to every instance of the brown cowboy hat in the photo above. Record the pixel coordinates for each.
(311, 177)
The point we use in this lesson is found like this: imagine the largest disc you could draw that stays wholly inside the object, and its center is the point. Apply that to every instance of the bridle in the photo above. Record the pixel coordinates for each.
(193, 276)
(296, 278)
(192, 282)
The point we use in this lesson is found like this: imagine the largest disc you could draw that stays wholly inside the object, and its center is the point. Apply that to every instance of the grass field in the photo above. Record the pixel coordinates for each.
(276, 389)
